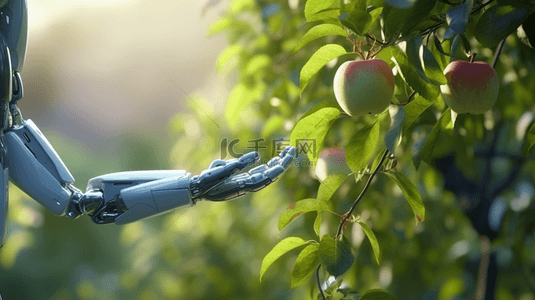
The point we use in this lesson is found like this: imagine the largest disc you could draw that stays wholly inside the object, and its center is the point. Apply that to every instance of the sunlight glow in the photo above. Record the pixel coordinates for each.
(44, 13)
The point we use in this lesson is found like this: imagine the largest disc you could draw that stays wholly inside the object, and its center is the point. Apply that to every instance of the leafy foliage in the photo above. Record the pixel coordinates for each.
(418, 39)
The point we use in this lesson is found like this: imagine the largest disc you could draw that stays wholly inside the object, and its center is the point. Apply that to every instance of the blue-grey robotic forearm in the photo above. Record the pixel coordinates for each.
(28, 159)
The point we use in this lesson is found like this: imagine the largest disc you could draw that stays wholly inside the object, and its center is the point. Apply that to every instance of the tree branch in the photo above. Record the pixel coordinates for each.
(319, 282)
(348, 214)
(483, 268)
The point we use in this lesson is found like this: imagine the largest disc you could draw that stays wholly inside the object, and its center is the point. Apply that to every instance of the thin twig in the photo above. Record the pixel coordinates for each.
(376, 40)
(498, 52)
(408, 99)
(319, 282)
(348, 214)
(483, 268)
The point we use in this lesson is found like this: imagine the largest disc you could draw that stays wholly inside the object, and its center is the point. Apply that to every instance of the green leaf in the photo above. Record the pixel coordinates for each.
(518, 3)
(457, 18)
(377, 294)
(219, 26)
(240, 5)
(414, 109)
(358, 21)
(453, 118)
(329, 186)
(332, 289)
(413, 55)
(298, 208)
(428, 91)
(361, 147)
(456, 52)
(403, 4)
(377, 160)
(497, 23)
(225, 24)
(224, 59)
(335, 255)
(373, 241)
(406, 20)
(466, 45)
(306, 263)
(443, 124)
(359, 5)
(313, 126)
(376, 13)
(279, 250)
(350, 295)
(392, 19)
(411, 194)
(313, 7)
(393, 135)
(417, 148)
(257, 63)
(432, 69)
(437, 45)
(239, 99)
(317, 32)
(319, 59)
(529, 140)
(529, 29)
(317, 223)
(419, 13)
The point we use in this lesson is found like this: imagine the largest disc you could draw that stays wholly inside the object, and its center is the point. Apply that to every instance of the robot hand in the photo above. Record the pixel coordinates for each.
(129, 196)
(252, 181)
(238, 185)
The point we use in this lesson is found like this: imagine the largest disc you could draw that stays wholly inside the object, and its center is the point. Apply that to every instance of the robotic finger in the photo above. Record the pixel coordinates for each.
(219, 171)
(255, 180)
(241, 163)
(284, 158)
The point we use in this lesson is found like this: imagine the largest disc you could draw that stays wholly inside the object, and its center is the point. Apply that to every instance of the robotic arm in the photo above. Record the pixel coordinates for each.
(125, 197)
(30, 161)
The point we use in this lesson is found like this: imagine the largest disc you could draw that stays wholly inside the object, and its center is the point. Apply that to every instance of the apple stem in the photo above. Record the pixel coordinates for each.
(472, 57)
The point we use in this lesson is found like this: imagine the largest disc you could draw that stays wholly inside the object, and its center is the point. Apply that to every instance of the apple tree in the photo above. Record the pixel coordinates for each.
(437, 204)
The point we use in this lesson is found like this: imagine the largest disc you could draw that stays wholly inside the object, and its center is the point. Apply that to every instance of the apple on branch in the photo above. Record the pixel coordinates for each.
(472, 87)
(364, 86)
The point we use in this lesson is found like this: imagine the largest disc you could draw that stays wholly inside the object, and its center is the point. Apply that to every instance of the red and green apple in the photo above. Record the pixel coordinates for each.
(364, 86)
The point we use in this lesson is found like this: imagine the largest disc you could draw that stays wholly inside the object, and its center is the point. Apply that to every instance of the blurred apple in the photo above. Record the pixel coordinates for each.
(332, 161)
(364, 86)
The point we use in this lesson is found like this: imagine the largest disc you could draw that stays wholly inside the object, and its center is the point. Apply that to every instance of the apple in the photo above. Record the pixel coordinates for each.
(364, 86)
(472, 87)
(331, 161)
